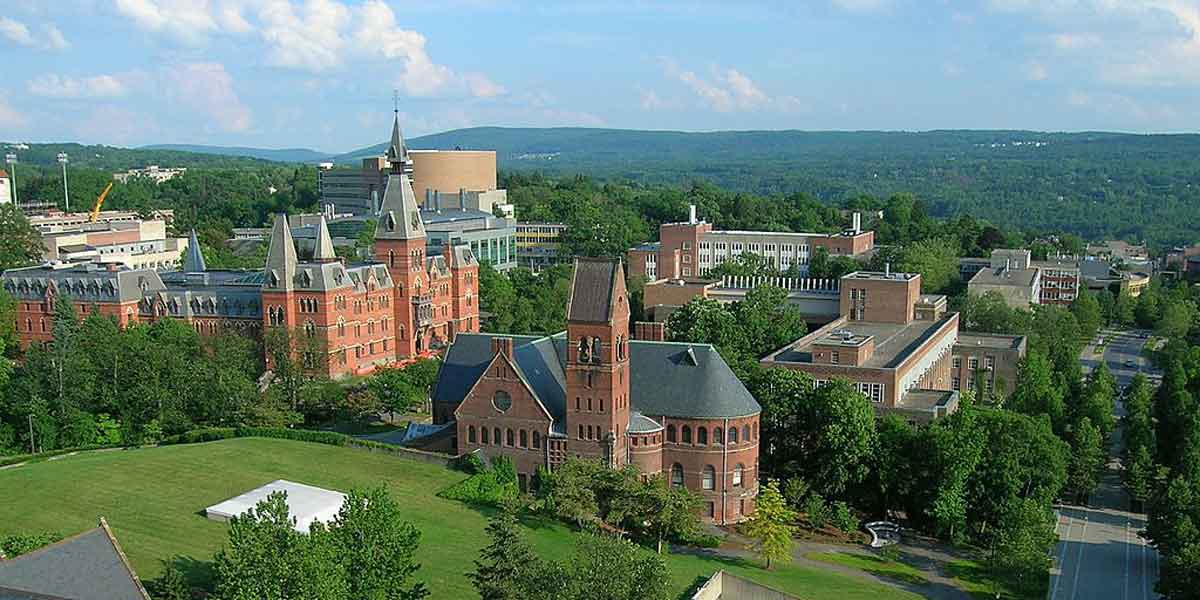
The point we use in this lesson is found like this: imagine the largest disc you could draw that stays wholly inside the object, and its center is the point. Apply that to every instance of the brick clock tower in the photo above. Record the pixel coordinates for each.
(597, 370)
(400, 244)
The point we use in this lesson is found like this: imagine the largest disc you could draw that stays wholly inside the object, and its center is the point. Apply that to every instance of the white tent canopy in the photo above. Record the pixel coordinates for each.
(307, 504)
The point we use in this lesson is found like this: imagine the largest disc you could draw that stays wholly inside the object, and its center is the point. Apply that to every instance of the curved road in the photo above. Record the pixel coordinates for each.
(1100, 554)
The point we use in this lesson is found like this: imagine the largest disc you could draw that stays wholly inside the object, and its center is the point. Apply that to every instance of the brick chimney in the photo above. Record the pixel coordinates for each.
(502, 345)
(650, 331)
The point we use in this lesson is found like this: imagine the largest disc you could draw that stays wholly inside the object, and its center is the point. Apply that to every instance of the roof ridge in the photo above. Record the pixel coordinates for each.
(137, 581)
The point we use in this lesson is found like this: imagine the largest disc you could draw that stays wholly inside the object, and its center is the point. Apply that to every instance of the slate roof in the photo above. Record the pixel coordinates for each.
(592, 288)
(193, 259)
(88, 566)
(667, 379)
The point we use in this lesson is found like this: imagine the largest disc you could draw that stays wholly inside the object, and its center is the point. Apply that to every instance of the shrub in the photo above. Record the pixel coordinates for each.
(468, 463)
(816, 510)
(843, 519)
(493, 486)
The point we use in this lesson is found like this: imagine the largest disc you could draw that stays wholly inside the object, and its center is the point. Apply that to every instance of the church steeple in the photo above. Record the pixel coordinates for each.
(193, 260)
(399, 213)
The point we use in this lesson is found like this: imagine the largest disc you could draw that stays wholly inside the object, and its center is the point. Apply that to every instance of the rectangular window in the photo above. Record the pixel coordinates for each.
(956, 363)
(989, 362)
(955, 382)
(972, 363)
(834, 357)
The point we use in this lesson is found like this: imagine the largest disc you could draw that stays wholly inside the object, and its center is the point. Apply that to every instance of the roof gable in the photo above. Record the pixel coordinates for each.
(88, 566)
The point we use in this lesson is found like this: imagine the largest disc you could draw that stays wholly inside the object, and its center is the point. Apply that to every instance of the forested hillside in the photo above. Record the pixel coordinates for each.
(114, 158)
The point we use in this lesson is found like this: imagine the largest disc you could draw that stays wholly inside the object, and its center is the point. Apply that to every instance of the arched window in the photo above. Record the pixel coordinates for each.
(496, 435)
(718, 433)
(341, 327)
(701, 436)
(677, 475)
(29, 324)
(471, 434)
(310, 329)
(596, 349)
(708, 480)
(746, 433)
(671, 433)
(484, 432)
(537, 440)
(737, 475)
(508, 437)
(733, 435)
(391, 258)
(686, 434)
(42, 322)
(524, 437)
(582, 351)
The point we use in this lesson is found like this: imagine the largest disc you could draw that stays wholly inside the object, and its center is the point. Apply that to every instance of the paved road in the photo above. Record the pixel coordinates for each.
(1100, 554)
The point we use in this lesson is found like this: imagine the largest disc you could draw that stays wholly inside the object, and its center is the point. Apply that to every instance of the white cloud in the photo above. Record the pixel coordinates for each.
(651, 101)
(15, 32)
(99, 86)
(207, 88)
(9, 117)
(727, 91)
(19, 33)
(186, 20)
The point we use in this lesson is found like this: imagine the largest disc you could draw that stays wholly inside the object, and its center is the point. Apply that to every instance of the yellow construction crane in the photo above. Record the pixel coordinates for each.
(99, 202)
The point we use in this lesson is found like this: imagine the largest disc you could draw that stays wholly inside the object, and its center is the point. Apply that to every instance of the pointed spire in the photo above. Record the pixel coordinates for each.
(281, 256)
(397, 152)
(323, 252)
(193, 260)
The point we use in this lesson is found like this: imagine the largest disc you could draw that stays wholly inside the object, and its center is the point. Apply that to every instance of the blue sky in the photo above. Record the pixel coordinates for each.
(321, 73)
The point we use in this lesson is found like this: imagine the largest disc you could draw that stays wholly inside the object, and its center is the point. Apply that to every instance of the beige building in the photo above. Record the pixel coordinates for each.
(122, 240)
(444, 176)
(987, 363)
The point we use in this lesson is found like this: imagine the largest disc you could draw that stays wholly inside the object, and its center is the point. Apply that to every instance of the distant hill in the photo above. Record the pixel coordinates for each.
(114, 158)
(297, 155)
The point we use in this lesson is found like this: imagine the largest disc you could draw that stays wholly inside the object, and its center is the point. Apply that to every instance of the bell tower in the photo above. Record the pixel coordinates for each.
(400, 244)
(598, 361)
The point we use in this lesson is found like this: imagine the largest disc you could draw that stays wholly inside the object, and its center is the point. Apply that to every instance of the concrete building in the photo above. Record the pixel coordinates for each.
(666, 408)
(538, 245)
(468, 218)
(892, 343)
(435, 172)
(987, 363)
(817, 299)
(122, 239)
(347, 319)
(6, 188)
(1023, 282)
(151, 173)
(689, 249)
(727, 586)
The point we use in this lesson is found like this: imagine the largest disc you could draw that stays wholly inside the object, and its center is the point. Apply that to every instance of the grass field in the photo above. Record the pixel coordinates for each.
(874, 565)
(972, 577)
(154, 497)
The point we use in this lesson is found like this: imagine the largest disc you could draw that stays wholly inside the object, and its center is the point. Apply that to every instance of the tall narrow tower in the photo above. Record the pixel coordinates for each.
(598, 361)
(400, 244)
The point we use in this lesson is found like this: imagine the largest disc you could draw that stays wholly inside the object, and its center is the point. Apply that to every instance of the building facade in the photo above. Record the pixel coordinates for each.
(892, 343)
(539, 245)
(344, 319)
(1022, 281)
(987, 363)
(689, 249)
(670, 409)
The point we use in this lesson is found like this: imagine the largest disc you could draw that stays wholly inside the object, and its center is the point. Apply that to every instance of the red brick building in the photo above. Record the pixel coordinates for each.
(690, 248)
(346, 319)
(668, 408)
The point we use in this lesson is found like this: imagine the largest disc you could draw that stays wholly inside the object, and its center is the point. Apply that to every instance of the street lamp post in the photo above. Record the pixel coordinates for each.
(62, 159)
(11, 159)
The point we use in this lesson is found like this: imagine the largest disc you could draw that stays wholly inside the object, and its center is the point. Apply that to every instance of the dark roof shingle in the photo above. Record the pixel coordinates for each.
(592, 290)
(88, 566)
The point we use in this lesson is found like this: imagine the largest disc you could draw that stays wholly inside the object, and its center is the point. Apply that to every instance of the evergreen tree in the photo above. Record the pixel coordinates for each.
(503, 568)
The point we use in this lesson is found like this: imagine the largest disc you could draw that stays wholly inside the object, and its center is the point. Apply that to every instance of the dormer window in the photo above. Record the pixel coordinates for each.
(390, 222)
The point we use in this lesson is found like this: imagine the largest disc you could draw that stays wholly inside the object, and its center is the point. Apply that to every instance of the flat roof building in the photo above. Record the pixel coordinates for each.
(891, 342)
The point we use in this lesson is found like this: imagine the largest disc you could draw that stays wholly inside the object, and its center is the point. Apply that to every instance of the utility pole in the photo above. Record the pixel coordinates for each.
(62, 159)
(32, 447)
(11, 159)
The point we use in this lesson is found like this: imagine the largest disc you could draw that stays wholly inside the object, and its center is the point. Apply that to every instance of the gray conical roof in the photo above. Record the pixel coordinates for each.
(323, 252)
(281, 256)
(193, 259)
(397, 151)
(399, 215)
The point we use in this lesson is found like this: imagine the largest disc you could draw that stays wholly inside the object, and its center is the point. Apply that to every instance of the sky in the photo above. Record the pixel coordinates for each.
(322, 74)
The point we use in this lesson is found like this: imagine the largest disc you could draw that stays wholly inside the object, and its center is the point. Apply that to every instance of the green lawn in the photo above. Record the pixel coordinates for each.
(874, 565)
(154, 497)
(972, 577)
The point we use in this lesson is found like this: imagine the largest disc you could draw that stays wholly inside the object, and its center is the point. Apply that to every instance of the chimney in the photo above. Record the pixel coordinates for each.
(857, 222)
(692, 214)
(502, 345)
(650, 331)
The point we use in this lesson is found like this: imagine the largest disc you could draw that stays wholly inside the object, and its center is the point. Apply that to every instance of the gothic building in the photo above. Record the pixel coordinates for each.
(345, 319)
(668, 408)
